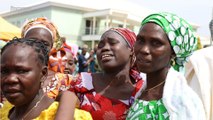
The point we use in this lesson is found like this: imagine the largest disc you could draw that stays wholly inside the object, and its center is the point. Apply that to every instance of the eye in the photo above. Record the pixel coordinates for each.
(21, 71)
(46, 43)
(4, 71)
(140, 40)
(100, 44)
(156, 43)
(70, 62)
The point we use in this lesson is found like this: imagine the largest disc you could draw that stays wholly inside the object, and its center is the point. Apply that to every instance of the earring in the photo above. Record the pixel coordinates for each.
(41, 84)
(173, 62)
(42, 81)
(133, 60)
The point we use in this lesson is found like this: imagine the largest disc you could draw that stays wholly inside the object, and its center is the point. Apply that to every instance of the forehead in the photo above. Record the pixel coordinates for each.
(69, 55)
(112, 35)
(152, 28)
(18, 53)
(40, 34)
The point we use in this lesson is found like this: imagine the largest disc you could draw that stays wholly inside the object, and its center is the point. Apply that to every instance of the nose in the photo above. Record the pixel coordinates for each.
(67, 65)
(145, 49)
(106, 47)
(9, 79)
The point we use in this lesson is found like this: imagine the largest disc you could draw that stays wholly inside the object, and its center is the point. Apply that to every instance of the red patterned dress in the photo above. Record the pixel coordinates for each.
(100, 107)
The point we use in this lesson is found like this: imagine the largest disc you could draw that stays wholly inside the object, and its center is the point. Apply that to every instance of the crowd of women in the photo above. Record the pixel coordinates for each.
(143, 77)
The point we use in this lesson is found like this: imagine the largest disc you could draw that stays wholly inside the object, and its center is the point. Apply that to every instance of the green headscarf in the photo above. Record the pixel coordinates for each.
(180, 34)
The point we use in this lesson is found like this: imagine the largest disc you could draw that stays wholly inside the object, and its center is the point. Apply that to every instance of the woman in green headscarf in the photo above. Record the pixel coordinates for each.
(164, 43)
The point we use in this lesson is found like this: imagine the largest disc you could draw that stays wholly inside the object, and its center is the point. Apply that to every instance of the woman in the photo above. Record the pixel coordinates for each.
(165, 38)
(108, 95)
(44, 30)
(23, 70)
(62, 60)
(61, 66)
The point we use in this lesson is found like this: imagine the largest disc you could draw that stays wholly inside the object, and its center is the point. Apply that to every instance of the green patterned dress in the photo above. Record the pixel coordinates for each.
(148, 110)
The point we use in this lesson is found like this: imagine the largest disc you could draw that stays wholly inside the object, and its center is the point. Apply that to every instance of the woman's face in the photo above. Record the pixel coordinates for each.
(21, 73)
(113, 51)
(152, 49)
(69, 63)
(42, 35)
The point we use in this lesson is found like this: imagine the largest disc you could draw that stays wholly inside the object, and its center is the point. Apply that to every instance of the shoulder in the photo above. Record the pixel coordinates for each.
(4, 111)
(49, 113)
(203, 53)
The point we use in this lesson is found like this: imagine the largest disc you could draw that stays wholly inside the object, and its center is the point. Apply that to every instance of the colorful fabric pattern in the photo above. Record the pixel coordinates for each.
(100, 107)
(58, 59)
(60, 82)
(180, 34)
(148, 110)
(43, 22)
(47, 114)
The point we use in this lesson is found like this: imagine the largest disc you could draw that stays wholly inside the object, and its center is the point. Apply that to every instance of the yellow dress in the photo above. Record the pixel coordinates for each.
(48, 114)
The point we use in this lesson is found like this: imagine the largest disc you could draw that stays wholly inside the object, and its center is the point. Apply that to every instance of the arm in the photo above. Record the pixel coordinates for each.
(67, 104)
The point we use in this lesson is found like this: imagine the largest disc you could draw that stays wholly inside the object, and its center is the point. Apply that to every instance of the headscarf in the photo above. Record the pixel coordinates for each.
(44, 23)
(180, 35)
(127, 34)
(58, 59)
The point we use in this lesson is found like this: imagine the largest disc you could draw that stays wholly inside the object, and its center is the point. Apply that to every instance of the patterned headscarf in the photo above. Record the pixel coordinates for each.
(44, 23)
(180, 34)
(58, 59)
(127, 34)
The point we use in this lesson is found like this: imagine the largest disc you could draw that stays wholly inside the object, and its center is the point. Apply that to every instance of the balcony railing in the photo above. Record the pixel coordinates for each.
(95, 31)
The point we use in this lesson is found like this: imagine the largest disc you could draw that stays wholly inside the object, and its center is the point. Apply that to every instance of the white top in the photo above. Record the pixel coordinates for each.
(199, 75)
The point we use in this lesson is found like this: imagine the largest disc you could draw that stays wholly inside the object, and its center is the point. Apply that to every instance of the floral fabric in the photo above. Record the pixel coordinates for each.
(60, 82)
(148, 110)
(100, 107)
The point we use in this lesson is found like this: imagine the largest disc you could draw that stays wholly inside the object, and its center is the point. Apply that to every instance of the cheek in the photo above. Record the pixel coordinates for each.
(137, 48)
(161, 58)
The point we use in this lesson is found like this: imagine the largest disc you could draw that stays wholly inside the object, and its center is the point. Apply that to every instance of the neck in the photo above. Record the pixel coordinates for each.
(21, 111)
(156, 77)
(117, 78)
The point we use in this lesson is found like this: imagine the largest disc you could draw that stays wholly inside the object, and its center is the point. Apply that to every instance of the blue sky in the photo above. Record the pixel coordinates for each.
(195, 11)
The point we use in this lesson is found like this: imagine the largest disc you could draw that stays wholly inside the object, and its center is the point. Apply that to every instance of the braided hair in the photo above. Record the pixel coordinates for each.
(37, 45)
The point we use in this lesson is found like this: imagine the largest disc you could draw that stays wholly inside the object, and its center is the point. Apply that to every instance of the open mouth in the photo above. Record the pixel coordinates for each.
(106, 57)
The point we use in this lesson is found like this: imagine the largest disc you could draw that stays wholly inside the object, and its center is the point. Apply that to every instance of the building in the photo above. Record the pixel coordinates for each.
(80, 24)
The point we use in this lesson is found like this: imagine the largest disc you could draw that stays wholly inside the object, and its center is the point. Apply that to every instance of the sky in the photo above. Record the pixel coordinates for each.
(199, 12)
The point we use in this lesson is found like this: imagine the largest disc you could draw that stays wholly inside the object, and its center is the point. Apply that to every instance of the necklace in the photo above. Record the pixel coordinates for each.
(155, 86)
(37, 103)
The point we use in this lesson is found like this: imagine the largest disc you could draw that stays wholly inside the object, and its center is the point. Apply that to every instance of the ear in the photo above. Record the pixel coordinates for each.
(133, 58)
(173, 55)
(132, 52)
(44, 73)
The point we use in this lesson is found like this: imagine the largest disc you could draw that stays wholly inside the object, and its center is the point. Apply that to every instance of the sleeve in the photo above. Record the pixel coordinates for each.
(62, 83)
